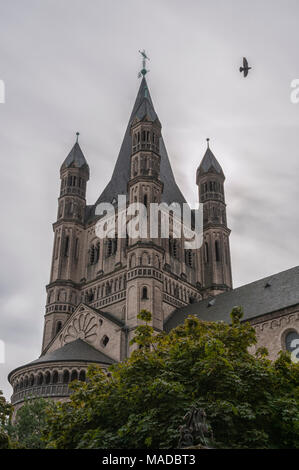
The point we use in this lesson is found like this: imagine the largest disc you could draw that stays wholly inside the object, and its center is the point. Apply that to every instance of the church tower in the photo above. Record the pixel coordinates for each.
(216, 263)
(67, 259)
(145, 286)
(98, 286)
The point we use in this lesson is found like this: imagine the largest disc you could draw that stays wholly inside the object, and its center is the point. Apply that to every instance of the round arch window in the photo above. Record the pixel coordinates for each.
(66, 377)
(292, 341)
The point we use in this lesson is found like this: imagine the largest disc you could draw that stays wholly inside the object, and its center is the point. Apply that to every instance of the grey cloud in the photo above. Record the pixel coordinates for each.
(73, 65)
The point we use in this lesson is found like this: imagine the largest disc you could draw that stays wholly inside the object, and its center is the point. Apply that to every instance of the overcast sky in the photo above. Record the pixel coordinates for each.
(72, 65)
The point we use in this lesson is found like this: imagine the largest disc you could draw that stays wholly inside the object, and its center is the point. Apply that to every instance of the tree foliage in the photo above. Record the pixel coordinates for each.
(250, 401)
(28, 428)
(5, 412)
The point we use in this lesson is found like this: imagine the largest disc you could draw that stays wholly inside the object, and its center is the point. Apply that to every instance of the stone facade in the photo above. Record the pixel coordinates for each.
(272, 330)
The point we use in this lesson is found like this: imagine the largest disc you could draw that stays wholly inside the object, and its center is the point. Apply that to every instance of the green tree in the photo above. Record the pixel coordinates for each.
(29, 424)
(5, 412)
(250, 401)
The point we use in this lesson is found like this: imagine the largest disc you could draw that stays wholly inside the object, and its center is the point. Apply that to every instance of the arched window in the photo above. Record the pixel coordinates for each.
(292, 341)
(55, 377)
(74, 375)
(92, 255)
(31, 380)
(47, 378)
(82, 376)
(66, 377)
(206, 252)
(104, 341)
(108, 288)
(114, 249)
(144, 293)
(188, 257)
(217, 250)
(26, 382)
(97, 252)
(58, 326)
(70, 208)
(173, 247)
(89, 296)
(40, 379)
(109, 247)
(145, 200)
(66, 245)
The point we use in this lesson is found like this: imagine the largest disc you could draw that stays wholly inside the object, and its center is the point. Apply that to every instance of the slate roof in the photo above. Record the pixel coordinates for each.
(76, 351)
(121, 174)
(258, 298)
(75, 158)
(209, 163)
(146, 110)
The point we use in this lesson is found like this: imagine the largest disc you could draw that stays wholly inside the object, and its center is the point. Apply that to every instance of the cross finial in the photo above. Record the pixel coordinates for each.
(77, 134)
(144, 70)
(208, 142)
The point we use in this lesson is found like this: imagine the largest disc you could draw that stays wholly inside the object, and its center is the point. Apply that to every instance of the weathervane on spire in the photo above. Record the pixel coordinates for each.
(77, 138)
(143, 71)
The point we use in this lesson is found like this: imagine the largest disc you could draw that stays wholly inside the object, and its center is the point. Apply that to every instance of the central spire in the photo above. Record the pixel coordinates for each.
(121, 174)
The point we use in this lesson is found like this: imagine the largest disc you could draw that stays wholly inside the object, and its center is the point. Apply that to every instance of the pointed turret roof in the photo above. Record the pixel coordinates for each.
(118, 184)
(146, 109)
(75, 158)
(209, 164)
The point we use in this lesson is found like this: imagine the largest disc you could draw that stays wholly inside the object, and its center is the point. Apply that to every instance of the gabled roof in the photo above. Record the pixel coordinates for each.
(121, 174)
(75, 158)
(209, 164)
(258, 298)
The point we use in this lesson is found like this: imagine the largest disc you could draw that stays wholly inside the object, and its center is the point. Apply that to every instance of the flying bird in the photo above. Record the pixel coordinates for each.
(245, 67)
